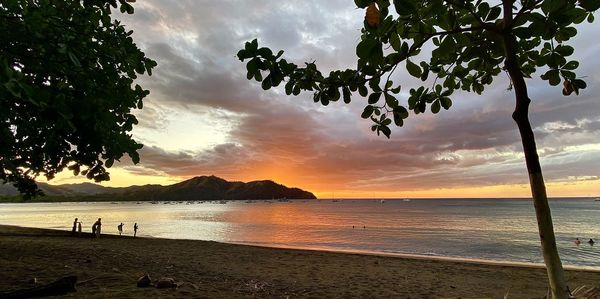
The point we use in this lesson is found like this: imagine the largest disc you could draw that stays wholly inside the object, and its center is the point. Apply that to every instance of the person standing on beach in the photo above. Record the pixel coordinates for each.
(135, 228)
(94, 230)
(120, 228)
(97, 227)
(74, 227)
(79, 224)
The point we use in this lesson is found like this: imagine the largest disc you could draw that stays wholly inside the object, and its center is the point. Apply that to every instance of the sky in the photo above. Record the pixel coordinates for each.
(203, 117)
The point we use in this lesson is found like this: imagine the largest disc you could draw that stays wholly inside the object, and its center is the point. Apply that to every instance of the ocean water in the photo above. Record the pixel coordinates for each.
(503, 230)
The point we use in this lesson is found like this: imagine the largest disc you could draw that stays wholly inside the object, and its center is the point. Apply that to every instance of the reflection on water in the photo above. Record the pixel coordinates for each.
(504, 230)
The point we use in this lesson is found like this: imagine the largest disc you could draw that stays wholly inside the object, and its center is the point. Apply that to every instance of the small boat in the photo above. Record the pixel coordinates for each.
(597, 199)
(406, 199)
(382, 201)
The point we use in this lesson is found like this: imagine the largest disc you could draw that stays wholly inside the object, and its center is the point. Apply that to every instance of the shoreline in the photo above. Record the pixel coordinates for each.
(474, 261)
(110, 266)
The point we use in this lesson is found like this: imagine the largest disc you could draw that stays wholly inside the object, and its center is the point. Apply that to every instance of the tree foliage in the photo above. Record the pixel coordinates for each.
(469, 52)
(67, 89)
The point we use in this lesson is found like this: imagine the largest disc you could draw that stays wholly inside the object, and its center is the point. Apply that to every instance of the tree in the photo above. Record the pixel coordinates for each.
(66, 89)
(473, 41)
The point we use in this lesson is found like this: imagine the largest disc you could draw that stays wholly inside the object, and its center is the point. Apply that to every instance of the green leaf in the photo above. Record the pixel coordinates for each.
(550, 6)
(571, 65)
(289, 88)
(265, 52)
(395, 41)
(405, 7)
(367, 112)
(435, 107)
(579, 84)
(362, 3)
(252, 46)
(564, 50)
(385, 130)
(109, 162)
(413, 69)
(494, 13)
(266, 83)
(590, 5)
(552, 76)
(347, 95)
(446, 102)
(365, 48)
(363, 91)
(374, 97)
(391, 101)
(252, 67)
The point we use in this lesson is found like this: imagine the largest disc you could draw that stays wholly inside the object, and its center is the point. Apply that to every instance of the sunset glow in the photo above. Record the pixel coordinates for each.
(203, 117)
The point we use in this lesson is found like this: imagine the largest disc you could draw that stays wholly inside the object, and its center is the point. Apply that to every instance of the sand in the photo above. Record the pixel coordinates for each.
(109, 267)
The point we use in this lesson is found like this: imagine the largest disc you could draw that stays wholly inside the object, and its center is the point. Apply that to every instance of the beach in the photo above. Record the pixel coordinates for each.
(108, 267)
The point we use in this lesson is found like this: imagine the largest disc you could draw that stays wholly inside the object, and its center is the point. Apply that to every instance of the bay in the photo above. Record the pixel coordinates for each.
(502, 230)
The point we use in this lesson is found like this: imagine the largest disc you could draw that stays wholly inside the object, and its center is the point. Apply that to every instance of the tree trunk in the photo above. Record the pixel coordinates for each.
(554, 268)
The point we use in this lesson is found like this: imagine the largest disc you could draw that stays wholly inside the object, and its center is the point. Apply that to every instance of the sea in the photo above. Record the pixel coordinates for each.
(494, 230)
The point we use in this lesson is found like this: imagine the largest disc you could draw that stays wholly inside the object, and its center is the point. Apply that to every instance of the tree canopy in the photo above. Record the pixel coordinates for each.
(67, 91)
(469, 51)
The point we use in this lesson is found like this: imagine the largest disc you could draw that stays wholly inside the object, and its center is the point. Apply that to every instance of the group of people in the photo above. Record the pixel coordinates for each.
(577, 242)
(97, 228)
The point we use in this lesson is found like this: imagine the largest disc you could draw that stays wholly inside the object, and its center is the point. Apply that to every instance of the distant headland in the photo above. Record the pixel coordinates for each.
(197, 188)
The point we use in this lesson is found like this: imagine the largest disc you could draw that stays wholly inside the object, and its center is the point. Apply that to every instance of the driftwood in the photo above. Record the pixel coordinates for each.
(60, 287)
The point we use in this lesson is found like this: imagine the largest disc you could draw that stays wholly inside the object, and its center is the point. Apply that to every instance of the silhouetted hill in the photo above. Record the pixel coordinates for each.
(197, 188)
(215, 188)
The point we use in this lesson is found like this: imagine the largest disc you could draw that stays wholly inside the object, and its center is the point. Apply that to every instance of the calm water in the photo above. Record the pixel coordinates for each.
(490, 229)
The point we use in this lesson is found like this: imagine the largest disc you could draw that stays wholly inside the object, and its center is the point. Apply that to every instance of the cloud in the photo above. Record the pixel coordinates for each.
(291, 139)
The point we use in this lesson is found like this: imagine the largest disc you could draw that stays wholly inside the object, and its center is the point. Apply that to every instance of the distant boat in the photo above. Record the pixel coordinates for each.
(597, 199)
(406, 199)
(382, 201)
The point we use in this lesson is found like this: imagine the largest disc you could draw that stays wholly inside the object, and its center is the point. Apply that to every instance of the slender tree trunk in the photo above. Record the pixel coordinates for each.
(554, 268)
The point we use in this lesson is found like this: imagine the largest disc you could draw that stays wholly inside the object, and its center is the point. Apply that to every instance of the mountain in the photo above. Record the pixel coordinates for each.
(215, 188)
(197, 188)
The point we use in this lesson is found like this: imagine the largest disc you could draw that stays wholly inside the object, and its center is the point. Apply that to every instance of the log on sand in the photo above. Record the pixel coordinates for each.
(60, 287)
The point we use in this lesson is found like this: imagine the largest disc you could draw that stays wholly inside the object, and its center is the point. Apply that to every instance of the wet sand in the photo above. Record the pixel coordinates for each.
(109, 267)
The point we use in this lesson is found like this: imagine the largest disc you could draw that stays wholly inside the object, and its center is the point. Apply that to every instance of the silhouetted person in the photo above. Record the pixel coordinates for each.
(135, 228)
(79, 229)
(577, 241)
(591, 242)
(94, 230)
(120, 228)
(74, 227)
(97, 227)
